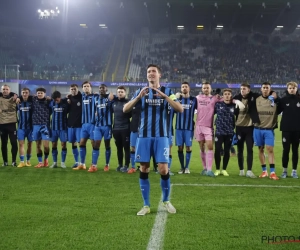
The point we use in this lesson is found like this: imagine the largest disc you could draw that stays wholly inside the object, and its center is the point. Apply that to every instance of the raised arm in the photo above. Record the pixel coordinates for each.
(129, 105)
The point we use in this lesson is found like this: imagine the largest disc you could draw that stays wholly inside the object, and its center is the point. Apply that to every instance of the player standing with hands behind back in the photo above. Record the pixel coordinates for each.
(153, 134)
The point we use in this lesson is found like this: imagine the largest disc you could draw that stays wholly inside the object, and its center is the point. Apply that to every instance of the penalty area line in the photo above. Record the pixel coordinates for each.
(233, 185)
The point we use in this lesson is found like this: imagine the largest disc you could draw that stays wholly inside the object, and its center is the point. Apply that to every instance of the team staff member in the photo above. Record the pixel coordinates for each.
(121, 129)
(8, 120)
(290, 127)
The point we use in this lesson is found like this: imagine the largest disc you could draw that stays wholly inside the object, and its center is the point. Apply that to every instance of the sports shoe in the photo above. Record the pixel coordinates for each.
(284, 175)
(131, 171)
(181, 171)
(170, 208)
(124, 169)
(21, 165)
(203, 172)
(80, 167)
(224, 173)
(118, 169)
(75, 165)
(63, 165)
(273, 176)
(217, 172)
(171, 173)
(187, 171)
(46, 163)
(106, 168)
(145, 210)
(92, 169)
(210, 173)
(4, 164)
(250, 174)
(14, 164)
(232, 154)
(264, 174)
(39, 165)
(242, 173)
(54, 165)
(294, 175)
(28, 164)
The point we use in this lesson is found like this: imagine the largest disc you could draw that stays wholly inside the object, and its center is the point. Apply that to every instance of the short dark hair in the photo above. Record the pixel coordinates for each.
(56, 94)
(24, 89)
(41, 90)
(121, 87)
(155, 66)
(102, 85)
(245, 84)
(266, 83)
(85, 82)
(74, 85)
(186, 83)
(206, 83)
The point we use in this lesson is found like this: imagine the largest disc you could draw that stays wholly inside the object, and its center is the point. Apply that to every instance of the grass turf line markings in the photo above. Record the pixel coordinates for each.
(233, 185)
(156, 239)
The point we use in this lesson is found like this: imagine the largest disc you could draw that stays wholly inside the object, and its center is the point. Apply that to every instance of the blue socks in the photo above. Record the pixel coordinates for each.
(181, 159)
(40, 157)
(165, 187)
(28, 157)
(82, 154)
(75, 153)
(22, 157)
(107, 155)
(264, 167)
(132, 159)
(95, 156)
(54, 154)
(145, 188)
(63, 154)
(188, 158)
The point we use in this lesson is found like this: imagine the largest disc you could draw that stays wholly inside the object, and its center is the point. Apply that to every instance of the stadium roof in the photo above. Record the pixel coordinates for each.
(131, 15)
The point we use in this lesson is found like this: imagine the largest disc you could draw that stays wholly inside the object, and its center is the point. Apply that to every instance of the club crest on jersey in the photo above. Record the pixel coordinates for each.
(231, 110)
(298, 104)
(78, 103)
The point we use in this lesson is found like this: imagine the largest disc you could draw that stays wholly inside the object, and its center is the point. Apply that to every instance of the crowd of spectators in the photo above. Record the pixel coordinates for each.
(235, 58)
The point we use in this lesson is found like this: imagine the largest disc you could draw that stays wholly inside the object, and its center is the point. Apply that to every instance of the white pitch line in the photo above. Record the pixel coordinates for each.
(156, 240)
(234, 185)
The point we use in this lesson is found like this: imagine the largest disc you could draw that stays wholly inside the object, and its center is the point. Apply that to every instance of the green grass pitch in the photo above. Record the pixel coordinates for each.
(65, 209)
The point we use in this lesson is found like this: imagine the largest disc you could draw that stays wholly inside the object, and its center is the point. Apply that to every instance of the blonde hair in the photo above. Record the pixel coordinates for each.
(293, 84)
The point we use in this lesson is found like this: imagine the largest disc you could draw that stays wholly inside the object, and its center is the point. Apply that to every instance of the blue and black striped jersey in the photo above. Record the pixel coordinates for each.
(185, 120)
(25, 115)
(59, 115)
(88, 108)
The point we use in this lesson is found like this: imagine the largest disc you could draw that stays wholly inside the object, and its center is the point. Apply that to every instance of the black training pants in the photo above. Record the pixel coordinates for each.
(288, 139)
(9, 130)
(245, 134)
(122, 140)
(219, 141)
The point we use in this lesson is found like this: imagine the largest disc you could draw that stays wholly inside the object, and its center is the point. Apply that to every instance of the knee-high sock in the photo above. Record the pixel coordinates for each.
(28, 156)
(82, 154)
(165, 186)
(75, 153)
(145, 188)
(209, 159)
(132, 159)
(63, 154)
(203, 158)
(181, 158)
(95, 156)
(107, 155)
(54, 154)
(188, 158)
(40, 157)
(170, 162)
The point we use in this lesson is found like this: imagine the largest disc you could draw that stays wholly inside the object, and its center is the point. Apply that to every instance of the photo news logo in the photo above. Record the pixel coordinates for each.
(280, 239)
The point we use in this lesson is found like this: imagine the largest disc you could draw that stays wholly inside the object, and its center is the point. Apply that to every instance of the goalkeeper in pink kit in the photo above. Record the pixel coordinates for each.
(204, 126)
